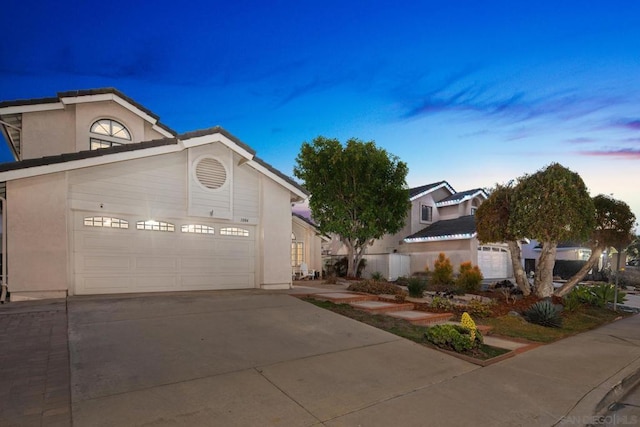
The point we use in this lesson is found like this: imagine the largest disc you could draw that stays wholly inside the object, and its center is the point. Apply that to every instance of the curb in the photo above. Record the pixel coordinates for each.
(597, 402)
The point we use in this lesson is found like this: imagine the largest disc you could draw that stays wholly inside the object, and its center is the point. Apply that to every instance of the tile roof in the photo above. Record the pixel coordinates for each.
(460, 197)
(80, 155)
(425, 188)
(211, 131)
(463, 227)
(305, 219)
(86, 92)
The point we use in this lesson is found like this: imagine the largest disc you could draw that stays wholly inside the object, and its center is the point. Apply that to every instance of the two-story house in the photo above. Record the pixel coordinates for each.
(439, 220)
(103, 198)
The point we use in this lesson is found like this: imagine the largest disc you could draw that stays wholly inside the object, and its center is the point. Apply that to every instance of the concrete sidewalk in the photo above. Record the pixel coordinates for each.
(266, 358)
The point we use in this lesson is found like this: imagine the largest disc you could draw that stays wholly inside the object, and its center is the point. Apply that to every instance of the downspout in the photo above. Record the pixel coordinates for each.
(3, 206)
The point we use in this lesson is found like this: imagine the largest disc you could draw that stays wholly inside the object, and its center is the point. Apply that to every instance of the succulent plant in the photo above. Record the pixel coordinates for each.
(544, 313)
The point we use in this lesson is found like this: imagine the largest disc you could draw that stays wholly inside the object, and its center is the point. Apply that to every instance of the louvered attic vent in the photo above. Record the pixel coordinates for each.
(210, 173)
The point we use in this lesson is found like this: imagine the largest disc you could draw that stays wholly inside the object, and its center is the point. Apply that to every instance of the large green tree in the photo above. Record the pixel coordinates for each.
(358, 191)
(551, 205)
(492, 224)
(634, 248)
(614, 226)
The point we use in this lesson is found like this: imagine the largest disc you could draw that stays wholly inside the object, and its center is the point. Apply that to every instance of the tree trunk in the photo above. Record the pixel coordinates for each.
(544, 270)
(518, 272)
(351, 271)
(573, 281)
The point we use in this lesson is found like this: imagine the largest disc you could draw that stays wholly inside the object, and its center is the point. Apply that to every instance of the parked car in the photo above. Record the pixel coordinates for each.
(634, 263)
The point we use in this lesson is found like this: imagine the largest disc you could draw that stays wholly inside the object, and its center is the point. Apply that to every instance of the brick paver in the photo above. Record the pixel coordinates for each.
(34, 364)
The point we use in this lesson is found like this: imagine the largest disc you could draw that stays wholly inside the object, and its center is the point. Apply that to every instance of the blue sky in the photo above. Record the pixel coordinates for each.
(475, 93)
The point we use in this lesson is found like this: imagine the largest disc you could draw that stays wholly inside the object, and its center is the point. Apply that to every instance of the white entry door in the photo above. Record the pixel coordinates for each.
(118, 254)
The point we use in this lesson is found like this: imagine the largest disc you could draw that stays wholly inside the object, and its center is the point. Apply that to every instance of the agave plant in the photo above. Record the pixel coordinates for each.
(544, 313)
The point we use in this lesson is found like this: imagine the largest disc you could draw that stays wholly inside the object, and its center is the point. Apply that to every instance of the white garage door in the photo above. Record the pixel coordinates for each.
(117, 254)
(493, 261)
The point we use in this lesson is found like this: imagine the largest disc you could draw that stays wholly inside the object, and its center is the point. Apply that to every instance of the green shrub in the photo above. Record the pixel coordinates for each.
(477, 308)
(416, 287)
(442, 271)
(544, 313)
(376, 288)
(583, 294)
(604, 293)
(341, 266)
(452, 337)
(441, 303)
(572, 301)
(377, 276)
(470, 277)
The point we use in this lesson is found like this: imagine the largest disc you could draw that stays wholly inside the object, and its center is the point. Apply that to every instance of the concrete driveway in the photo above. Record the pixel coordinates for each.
(235, 358)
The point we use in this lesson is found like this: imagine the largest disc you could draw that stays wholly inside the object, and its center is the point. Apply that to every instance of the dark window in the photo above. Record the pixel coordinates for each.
(426, 213)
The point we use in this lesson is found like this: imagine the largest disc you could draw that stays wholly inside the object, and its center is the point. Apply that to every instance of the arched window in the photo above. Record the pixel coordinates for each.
(105, 133)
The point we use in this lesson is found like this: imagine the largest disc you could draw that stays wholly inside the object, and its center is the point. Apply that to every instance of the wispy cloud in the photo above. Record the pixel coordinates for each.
(581, 140)
(620, 153)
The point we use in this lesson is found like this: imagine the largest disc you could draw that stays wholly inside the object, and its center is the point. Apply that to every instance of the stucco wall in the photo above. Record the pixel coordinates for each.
(425, 254)
(306, 233)
(37, 247)
(48, 133)
(275, 238)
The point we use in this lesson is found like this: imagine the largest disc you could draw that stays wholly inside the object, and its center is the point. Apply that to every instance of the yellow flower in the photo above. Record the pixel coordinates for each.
(468, 323)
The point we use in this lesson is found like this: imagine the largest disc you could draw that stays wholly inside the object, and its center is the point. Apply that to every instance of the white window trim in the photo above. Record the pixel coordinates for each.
(423, 221)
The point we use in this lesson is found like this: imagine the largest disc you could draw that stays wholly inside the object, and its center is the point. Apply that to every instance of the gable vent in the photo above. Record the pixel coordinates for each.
(210, 173)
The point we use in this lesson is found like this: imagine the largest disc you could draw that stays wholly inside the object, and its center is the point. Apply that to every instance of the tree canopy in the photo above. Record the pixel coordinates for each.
(492, 224)
(614, 224)
(358, 191)
(551, 206)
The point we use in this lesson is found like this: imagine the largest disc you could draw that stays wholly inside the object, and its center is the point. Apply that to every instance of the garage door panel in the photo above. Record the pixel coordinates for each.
(103, 263)
(220, 281)
(106, 284)
(152, 264)
(157, 282)
(130, 260)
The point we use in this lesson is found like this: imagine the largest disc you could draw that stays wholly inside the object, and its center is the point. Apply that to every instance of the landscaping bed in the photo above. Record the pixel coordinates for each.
(481, 355)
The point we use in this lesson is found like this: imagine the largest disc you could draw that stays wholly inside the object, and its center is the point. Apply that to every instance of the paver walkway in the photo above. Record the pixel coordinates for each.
(34, 364)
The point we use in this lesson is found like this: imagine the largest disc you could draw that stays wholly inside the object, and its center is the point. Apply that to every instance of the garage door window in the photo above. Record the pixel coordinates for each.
(152, 225)
(197, 229)
(234, 231)
(104, 221)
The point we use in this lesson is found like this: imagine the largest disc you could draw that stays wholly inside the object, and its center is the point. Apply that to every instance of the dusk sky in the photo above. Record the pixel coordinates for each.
(474, 93)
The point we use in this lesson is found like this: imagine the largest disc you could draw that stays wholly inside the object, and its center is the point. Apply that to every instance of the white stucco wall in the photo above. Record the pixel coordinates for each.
(48, 133)
(306, 234)
(37, 242)
(275, 238)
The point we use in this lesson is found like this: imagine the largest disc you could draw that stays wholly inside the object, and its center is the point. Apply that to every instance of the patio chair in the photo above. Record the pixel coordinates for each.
(305, 273)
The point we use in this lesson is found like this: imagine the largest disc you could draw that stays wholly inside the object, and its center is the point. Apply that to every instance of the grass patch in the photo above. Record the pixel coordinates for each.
(584, 319)
(399, 327)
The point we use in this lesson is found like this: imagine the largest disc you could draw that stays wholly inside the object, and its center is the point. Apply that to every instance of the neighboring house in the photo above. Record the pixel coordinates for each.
(439, 220)
(571, 251)
(103, 198)
(306, 244)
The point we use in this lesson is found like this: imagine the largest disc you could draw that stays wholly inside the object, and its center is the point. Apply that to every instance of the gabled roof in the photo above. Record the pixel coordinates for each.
(74, 97)
(460, 228)
(417, 192)
(458, 198)
(70, 161)
(87, 154)
(11, 111)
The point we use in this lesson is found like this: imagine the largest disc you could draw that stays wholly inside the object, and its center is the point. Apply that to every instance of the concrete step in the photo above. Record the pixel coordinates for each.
(344, 297)
(380, 307)
(421, 318)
